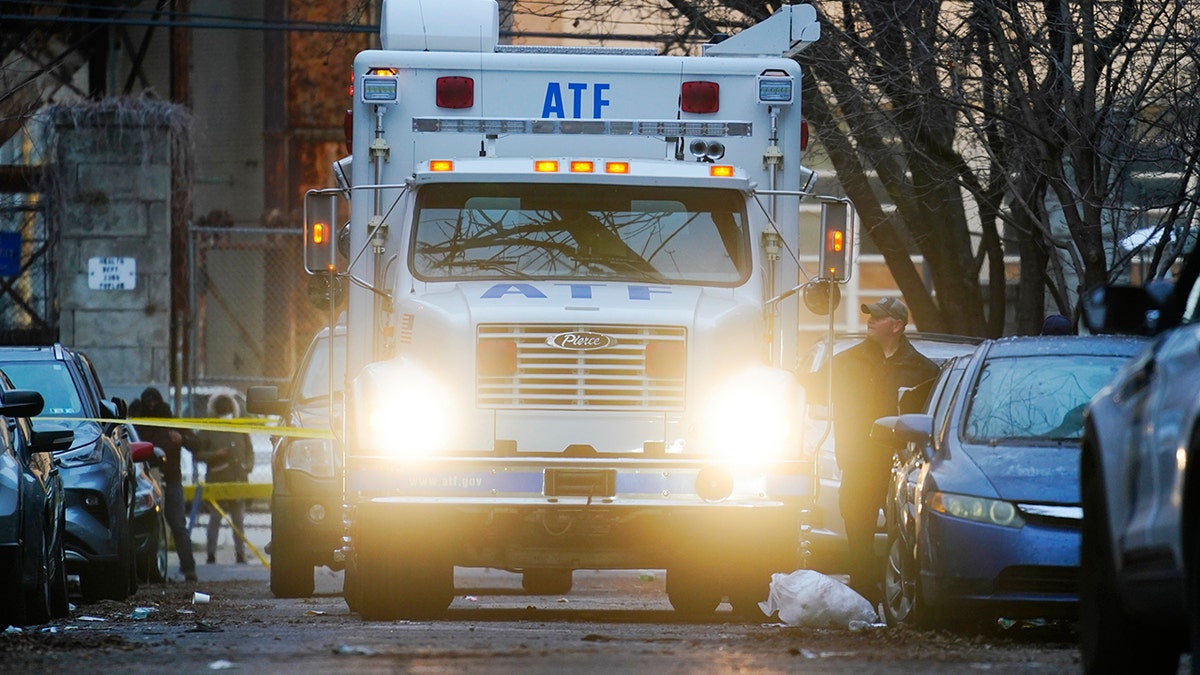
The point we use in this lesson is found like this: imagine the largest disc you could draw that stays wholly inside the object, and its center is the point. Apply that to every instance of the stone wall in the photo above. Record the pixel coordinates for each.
(111, 203)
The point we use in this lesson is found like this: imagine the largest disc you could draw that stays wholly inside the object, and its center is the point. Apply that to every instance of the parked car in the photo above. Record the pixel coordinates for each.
(306, 499)
(97, 470)
(1140, 581)
(828, 534)
(983, 511)
(33, 576)
(150, 540)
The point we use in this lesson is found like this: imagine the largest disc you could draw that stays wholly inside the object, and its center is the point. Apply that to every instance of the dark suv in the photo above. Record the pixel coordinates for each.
(97, 470)
(33, 575)
(306, 515)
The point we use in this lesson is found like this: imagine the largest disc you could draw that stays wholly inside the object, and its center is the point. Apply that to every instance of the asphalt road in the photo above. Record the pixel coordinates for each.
(611, 622)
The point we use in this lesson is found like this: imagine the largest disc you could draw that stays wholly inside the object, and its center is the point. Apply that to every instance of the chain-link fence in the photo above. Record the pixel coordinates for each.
(251, 320)
(28, 311)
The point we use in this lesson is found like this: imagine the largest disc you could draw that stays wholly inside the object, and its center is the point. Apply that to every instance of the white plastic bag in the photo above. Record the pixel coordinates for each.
(813, 600)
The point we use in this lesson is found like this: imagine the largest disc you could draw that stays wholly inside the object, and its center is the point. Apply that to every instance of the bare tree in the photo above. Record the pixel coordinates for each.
(966, 130)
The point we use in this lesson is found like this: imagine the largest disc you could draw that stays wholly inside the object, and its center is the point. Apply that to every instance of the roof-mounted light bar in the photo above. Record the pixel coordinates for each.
(652, 128)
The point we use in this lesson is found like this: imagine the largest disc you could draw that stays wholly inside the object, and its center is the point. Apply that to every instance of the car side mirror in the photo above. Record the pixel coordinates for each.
(901, 429)
(264, 400)
(21, 403)
(142, 451)
(52, 440)
(1127, 310)
(122, 408)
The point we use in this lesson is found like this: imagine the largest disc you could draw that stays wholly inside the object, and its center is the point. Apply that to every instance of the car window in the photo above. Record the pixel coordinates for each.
(314, 378)
(941, 408)
(53, 380)
(1036, 397)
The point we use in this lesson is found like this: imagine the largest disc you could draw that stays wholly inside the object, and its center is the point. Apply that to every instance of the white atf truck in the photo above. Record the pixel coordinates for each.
(571, 311)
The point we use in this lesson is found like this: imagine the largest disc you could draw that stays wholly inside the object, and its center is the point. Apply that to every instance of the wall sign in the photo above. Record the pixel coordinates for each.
(112, 274)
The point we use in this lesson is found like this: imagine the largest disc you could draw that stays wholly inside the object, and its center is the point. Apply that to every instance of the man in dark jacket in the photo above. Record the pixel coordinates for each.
(229, 458)
(151, 404)
(866, 384)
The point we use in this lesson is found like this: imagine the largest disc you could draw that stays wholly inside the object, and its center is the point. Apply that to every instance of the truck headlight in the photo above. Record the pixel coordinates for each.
(404, 411)
(752, 416)
(313, 456)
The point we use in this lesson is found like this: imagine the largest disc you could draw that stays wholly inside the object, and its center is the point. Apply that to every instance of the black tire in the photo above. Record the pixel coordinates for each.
(37, 596)
(113, 580)
(291, 573)
(1110, 641)
(153, 565)
(134, 579)
(692, 593)
(900, 584)
(400, 574)
(60, 604)
(547, 581)
(12, 610)
(746, 592)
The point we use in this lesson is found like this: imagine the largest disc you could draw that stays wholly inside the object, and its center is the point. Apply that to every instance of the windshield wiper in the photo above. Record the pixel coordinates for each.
(639, 268)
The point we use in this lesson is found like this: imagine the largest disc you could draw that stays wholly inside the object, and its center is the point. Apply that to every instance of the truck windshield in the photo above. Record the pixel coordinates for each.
(531, 231)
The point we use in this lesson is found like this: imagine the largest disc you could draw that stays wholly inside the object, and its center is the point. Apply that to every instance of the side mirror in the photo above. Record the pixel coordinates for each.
(265, 401)
(21, 403)
(320, 232)
(143, 451)
(1128, 310)
(822, 297)
(122, 407)
(908, 428)
(52, 440)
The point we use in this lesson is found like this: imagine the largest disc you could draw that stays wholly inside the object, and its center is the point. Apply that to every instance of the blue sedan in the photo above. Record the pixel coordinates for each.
(984, 506)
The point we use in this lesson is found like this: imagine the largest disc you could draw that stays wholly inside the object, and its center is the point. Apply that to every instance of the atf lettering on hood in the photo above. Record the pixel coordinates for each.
(581, 341)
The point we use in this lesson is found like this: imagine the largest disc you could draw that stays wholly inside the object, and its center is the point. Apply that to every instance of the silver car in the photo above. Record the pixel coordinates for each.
(1140, 562)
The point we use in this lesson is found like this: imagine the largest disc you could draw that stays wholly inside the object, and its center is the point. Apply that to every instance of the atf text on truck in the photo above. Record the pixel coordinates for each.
(569, 277)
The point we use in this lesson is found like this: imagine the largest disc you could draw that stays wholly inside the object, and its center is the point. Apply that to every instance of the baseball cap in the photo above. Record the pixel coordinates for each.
(887, 307)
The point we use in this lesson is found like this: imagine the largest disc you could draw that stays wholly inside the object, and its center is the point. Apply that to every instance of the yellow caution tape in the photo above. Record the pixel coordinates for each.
(242, 425)
(217, 491)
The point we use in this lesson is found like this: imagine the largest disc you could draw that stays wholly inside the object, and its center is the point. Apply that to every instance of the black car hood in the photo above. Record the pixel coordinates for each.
(1046, 473)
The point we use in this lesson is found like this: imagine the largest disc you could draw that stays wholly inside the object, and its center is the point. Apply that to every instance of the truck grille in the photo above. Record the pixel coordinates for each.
(612, 378)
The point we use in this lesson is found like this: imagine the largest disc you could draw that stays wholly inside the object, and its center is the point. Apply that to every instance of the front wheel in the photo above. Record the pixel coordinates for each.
(113, 580)
(691, 593)
(291, 573)
(152, 565)
(900, 584)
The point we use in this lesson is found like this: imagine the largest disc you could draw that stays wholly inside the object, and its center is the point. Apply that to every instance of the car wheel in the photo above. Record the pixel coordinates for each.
(291, 573)
(692, 593)
(544, 581)
(111, 581)
(37, 596)
(900, 581)
(153, 564)
(1110, 640)
(60, 604)
(400, 574)
(132, 568)
(12, 610)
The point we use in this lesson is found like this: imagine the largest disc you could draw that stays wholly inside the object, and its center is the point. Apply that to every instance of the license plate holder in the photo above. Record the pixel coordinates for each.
(579, 482)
